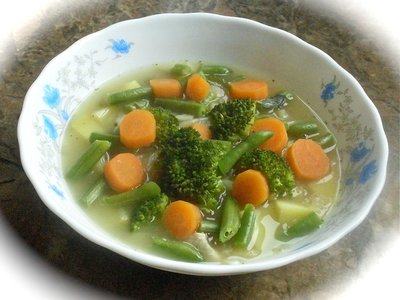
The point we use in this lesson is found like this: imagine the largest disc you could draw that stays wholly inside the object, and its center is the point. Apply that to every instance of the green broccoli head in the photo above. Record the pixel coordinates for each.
(232, 120)
(148, 210)
(166, 124)
(188, 169)
(279, 175)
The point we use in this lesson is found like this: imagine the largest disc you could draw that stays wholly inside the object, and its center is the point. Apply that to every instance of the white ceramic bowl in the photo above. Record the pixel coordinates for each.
(303, 69)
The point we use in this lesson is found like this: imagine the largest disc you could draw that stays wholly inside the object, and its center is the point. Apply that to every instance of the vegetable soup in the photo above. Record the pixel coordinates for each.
(201, 163)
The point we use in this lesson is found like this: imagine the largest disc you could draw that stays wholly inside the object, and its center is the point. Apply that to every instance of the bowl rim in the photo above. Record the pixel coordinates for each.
(206, 269)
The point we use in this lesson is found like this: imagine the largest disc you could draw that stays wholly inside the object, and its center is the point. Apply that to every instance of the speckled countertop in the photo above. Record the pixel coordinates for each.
(74, 267)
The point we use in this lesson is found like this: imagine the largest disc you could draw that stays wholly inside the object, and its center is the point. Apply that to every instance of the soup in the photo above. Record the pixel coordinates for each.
(231, 164)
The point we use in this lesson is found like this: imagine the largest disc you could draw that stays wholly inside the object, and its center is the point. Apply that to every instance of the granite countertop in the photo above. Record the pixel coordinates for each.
(74, 267)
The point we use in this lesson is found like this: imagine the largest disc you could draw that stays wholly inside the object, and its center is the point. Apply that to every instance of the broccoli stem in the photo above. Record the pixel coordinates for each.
(227, 162)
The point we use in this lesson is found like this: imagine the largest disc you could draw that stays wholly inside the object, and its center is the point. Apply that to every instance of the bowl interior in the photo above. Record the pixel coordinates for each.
(315, 77)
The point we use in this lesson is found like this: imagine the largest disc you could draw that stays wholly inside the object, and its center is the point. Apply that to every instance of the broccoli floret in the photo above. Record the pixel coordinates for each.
(232, 120)
(279, 175)
(188, 168)
(148, 210)
(166, 124)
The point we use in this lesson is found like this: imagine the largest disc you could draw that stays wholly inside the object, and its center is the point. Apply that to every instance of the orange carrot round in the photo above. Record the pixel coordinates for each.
(280, 138)
(250, 186)
(124, 172)
(166, 88)
(249, 89)
(197, 88)
(204, 130)
(181, 219)
(308, 160)
(138, 129)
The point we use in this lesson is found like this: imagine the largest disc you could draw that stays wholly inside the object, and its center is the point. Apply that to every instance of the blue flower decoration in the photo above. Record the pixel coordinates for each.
(368, 171)
(50, 128)
(64, 115)
(120, 46)
(359, 152)
(329, 91)
(51, 96)
(56, 190)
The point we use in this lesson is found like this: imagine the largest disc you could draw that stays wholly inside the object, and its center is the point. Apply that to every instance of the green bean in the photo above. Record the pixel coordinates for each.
(89, 159)
(112, 138)
(177, 249)
(146, 190)
(208, 226)
(181, 106)
(181, 70)
(250, 143)
(247, 224)
(301, 228)
(215, 70)
(94, 192)
(230, 219)
(139, 93)
(326, 140)
(301, 129)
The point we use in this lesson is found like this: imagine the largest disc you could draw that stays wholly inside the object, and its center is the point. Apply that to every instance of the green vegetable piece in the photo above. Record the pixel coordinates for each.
(179, 250)
(275, 102)
(89, 159)
(142, 92)
(232, 157)
(166, 124)
(94, 192)
(326, 140)
(215, 70)
(232, 120)
(247, 224)
(301, 129)
(208, 226)
(180, 106)
(148, 210)
(230, 219)
(112, 138)
(181, 70)
(301, 228)
(138, 104)
(146, 190)
(280, 177)
(287, 211)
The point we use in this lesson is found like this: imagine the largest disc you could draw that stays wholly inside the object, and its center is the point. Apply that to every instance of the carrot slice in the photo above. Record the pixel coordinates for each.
(204, 130)
(138, 129)
(280, 138)
(250, 186)
(197, 88)
(124, 172)
(308, 160)
(166, 88)
(181, 219)
(249, 89)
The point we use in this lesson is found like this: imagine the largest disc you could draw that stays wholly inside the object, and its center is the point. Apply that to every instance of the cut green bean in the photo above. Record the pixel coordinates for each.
(112, 138)
(179, 250)
(247, 224)
(302, 129)
(142, 92)
(301, 228)
(326, 140)
(89, 159)
(208, 226)
(215, 70)
(181, 70)
(230, 219)
(250, 143)
(181, 106)
(94, 192)
(146, 190)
